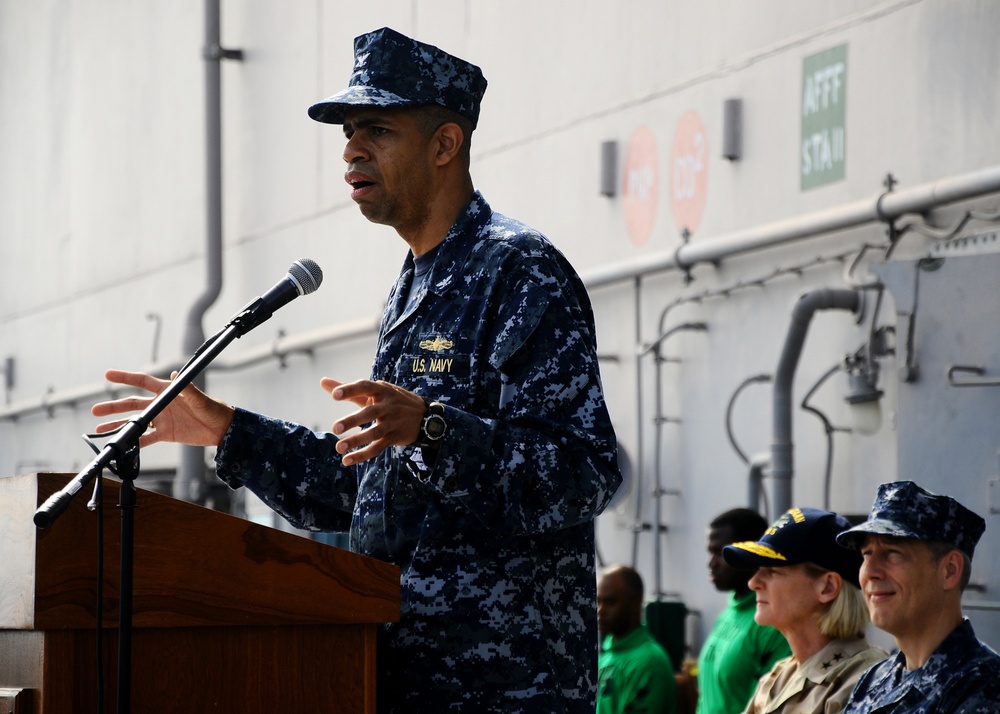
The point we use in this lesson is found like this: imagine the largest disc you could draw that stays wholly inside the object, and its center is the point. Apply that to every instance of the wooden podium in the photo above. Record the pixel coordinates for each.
(228, 616)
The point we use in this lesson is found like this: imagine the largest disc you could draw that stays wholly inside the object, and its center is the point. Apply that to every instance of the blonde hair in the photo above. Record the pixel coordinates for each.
(844, 616)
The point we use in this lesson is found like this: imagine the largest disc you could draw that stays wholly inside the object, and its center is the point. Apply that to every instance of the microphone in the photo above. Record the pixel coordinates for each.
(303, 278)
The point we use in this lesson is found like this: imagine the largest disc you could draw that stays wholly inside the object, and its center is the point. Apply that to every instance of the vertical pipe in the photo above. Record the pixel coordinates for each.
(190, 479)
(641, 456)
(660, 419)
(781, 449)
(755, 484)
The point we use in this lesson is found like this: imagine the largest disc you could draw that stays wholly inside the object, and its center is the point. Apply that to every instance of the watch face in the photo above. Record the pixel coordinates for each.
(434, 426)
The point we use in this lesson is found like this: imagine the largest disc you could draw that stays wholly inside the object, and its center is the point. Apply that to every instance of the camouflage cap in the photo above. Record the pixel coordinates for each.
(801, 535)
(392, 70)
(904, 510)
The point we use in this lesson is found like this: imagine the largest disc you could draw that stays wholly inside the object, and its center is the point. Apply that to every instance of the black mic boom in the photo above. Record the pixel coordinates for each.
(303, 277)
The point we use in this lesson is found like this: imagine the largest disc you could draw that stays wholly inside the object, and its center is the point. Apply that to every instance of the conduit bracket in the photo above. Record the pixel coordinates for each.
(215, 52)
(892, 231)
(685, 268)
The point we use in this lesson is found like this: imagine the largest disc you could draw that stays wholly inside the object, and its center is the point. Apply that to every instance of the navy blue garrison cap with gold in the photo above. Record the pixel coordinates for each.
(801, 535)
(903, 509)
(393, 70)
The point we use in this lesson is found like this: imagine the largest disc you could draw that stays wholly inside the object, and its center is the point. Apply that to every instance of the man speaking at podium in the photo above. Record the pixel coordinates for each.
(485, 450)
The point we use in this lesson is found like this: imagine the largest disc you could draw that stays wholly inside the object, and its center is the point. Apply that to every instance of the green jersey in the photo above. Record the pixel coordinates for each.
(635, 676)
(737, 653)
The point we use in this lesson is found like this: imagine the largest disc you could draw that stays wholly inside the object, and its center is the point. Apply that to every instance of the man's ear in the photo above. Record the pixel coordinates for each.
(448, 140)
(952, 566)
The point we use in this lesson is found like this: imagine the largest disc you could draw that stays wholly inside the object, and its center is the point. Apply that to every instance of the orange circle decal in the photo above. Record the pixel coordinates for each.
(689, 172)
(641, 185)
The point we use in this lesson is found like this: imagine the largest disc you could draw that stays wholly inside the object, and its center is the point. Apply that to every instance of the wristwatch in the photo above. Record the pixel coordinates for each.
(433, 427)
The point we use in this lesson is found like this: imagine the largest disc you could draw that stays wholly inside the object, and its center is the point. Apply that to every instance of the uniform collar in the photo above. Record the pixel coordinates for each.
(827, 661)
(451, 256)
(453, 251)
(742, 602)
(630, 641)
(946, 661)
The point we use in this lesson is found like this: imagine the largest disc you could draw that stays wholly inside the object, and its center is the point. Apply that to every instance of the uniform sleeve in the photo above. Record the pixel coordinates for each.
(294, 470)
(547, 459)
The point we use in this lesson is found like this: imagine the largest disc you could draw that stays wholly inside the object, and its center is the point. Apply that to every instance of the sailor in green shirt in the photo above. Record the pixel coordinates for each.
(634, 673)
(738, 651)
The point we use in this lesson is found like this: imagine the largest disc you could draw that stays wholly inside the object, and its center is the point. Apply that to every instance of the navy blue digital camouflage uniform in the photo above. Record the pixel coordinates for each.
(495, 539)
(962, 676)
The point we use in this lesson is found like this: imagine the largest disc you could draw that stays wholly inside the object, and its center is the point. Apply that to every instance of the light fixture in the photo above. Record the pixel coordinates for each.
(7, 370)
(732, 129)
(864, 396)
(8, 373)
(609, 168)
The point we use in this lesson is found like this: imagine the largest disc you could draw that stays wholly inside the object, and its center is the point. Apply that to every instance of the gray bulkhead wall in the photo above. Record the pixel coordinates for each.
(948, 367)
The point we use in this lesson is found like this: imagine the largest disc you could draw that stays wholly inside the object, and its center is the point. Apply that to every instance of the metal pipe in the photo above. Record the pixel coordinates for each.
(729, 415)
(884, 206)
(639, 417)
(755, 484)
(781, 449)
(983, 605)
(828, 429)
(191, 470)
(659, 420)
(918, 199)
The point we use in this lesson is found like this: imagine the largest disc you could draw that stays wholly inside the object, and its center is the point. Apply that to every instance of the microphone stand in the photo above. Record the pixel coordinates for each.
(123, 448)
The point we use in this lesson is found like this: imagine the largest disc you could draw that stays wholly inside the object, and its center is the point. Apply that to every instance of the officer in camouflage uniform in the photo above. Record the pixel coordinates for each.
(485, 450)
(917, 549)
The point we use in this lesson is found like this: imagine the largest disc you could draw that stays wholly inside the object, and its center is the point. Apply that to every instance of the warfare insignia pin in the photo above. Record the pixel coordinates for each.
(437, 344)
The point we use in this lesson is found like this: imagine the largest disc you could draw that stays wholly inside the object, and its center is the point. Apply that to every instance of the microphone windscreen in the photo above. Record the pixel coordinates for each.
(306, 275)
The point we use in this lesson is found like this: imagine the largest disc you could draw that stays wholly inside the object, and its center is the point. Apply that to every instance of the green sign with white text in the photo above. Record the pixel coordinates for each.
(824, 117)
